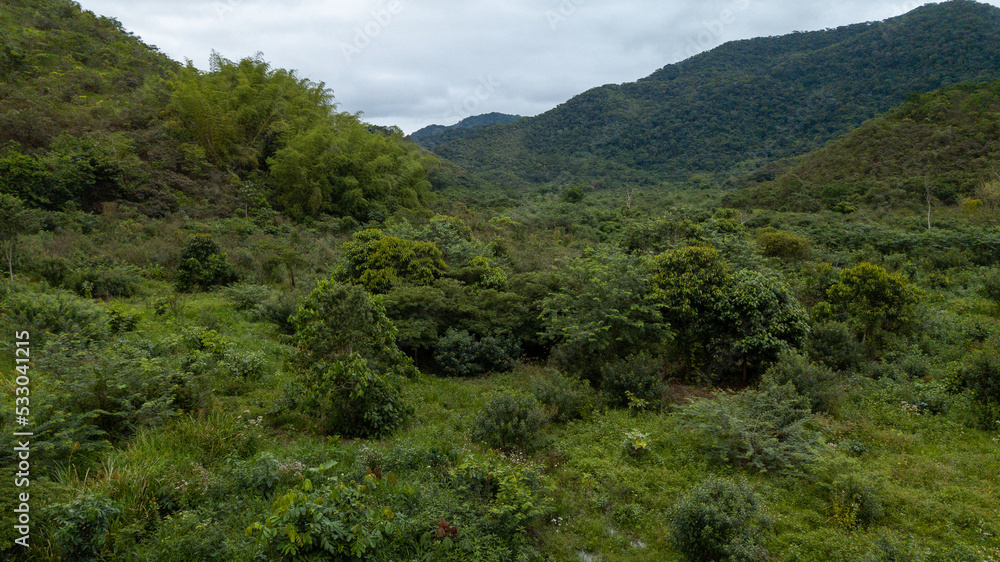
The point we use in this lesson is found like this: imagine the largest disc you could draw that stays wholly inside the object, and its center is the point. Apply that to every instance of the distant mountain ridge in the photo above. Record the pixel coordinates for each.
(433, 135)
(738, 106)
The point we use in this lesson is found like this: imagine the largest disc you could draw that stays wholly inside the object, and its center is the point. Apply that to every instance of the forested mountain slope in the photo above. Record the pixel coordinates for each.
(743, 103)
(945, 144)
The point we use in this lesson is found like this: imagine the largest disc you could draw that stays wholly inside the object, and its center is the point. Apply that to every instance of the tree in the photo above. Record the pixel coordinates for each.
(764, 320)
(12, 224)
(875, 299)
(379, 262)
(603, 311)
(689, 286)
(203, 265)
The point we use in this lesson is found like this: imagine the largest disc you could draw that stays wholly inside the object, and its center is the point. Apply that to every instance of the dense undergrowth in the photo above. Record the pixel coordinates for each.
(569, 389)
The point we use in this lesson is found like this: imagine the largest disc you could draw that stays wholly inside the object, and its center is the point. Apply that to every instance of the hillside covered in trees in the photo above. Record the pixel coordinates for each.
(242, 325)
(739, 105)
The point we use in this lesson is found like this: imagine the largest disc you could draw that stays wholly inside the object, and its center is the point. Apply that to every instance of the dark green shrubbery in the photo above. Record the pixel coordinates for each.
(354, 400)
(982, 375)
(856, 502)
(720, 520)
(782, 244)
(564, 397)
(834, 345)
(203, 265)
(639, 375)
(79, 527)
(104, 281)
(461, 354)
(817, 383)
(509, 422)
(991, 285)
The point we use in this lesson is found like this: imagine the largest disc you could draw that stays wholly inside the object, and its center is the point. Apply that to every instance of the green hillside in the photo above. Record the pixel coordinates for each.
(433, 135)
(946, 143)
(741, 104)
(91, 115)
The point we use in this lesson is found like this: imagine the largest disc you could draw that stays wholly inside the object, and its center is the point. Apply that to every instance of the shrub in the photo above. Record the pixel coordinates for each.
(565, 397)
(339, 522)
(636, 444)
(817, 383)
(80, 526)
(834, 345)
(764, 429)
(509, 422)
(122, 319)
(782, 244)
(720, 520)
(104, 281)
(511, 497)
(991, 285)
(203, 265)
(352, 400)
(55, 314)
(247, 296)
(459, 353)
(186, 536)
(982, 375)
(856, 502)
(640, 375)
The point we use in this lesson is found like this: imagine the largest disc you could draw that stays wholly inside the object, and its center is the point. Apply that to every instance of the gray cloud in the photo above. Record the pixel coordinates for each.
(412, 63)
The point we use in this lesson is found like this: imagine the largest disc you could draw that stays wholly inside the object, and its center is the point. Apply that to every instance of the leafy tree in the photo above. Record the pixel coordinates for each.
(603, 311)
(339, 167)
(690, 286)
(764, 320)
(336, 319)
(378, 262)
(203, 265)
(874, 298)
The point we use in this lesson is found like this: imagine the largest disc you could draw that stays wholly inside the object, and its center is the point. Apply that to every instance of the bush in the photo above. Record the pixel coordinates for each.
(565, 397)
(817, 383)
(640, 375)
(720, 520)
(834, 345)
(339, 522)
(782, 244)
(55, 314)
(352, 400)
(247, 296)
(80, 526)
(509, 422)
(104, 281)
(203, 265)
(982, 375)
(764, 429)
(459, 353)
(991, 285)
(186, 536)
(856, 502)
(511, 497)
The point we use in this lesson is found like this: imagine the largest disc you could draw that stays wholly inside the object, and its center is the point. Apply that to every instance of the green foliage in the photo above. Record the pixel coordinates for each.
(834, 345)
(379, 262)
(783, 244)
(339, 166)
(636, 444)
(203, 265)
(509, 422)
(817, 383)
(720, 520)
(637, 377)
(991, 285)
(459, 353)
(188, 535)
(981, 374)
(856, 502)
(248, 296)
(336, 319)
(342, 521)
(79, 527)
(603, 311)
(875, 299)
(565, 397)
(104, 280)
(766, 429)
(351, 399)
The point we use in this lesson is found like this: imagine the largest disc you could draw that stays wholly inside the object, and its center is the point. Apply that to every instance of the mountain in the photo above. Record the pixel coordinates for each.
(433, 135)
(947, 142)
(742, 104)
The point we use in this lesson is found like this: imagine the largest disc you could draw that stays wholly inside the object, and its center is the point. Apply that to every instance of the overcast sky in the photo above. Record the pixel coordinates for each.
(412, 63)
